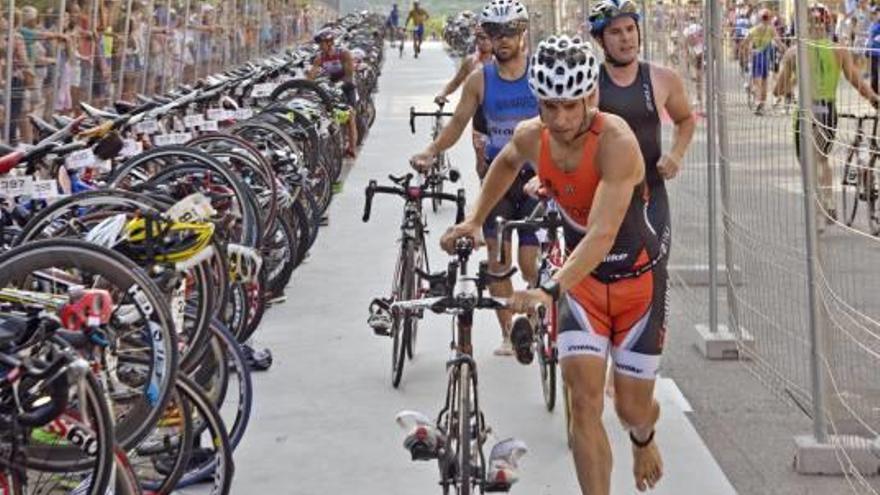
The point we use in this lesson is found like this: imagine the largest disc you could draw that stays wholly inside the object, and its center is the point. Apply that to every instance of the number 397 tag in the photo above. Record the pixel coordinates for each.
(11, 187)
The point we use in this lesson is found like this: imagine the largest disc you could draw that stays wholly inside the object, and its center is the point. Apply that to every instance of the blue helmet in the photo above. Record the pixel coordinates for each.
(606, 11)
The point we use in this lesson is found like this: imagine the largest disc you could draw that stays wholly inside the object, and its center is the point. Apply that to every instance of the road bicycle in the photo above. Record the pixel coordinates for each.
(441, 167)
(457, 438)
(412, 257)
(861, 179)
(542, 327)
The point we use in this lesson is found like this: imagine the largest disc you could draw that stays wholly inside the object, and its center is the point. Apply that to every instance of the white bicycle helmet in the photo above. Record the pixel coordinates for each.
(563, 68)
(605, 11)
(504, 12)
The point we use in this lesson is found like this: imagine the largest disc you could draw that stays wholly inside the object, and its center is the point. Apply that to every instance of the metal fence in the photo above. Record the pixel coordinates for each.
(64, 52)
(798, 283)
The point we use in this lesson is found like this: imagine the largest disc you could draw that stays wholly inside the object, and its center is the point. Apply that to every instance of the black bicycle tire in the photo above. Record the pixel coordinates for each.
(463, 455)
(78, 253)
(102, 427)
(847, 190)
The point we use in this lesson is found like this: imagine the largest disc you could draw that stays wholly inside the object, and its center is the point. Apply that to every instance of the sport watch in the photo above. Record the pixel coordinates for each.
(551, 287)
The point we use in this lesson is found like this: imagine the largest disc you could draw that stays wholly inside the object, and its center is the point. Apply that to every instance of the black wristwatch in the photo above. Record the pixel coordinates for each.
(551, 287)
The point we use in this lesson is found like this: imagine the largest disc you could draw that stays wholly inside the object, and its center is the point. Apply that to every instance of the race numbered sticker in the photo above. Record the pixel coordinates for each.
(193, 120)
(209, 125)
(80, 159)
(146, 127)
(11, 187)
(131, 147)
(45, 189)
(173, 138)
(244, 113)
(263, 90)
(220, 114)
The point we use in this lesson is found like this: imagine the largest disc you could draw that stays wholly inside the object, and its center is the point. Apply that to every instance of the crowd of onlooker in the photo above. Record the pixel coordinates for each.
(99, 49)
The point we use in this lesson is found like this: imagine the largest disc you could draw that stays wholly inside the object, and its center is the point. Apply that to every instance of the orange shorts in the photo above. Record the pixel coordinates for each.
(627, 317)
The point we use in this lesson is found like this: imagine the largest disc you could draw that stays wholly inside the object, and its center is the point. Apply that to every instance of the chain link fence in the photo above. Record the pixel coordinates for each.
(57, 53)
(795, 240)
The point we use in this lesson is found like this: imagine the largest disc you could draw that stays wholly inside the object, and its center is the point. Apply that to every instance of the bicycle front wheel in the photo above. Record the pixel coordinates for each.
(547, 359)
(400, 329)
(463, 456)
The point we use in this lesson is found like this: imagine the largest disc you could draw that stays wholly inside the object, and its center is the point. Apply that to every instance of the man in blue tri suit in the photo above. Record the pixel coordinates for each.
(501, 90)
(393, 23)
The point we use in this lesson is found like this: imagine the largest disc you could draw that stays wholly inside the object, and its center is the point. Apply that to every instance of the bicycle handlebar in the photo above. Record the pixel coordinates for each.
(412, 194)
(538, 219)
(413, 114)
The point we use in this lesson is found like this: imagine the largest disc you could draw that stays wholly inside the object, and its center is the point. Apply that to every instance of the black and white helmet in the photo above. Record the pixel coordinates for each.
(504, 12)
(563, 68)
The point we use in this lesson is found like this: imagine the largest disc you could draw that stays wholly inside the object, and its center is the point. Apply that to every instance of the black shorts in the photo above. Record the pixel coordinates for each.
(824, 118)
(660, 218)
(514, 205)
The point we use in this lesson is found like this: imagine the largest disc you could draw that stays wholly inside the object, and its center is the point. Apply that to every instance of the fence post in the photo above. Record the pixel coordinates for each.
(712, 158)
(56, 75)
(808, 172)
(168, 40)
(97, 42)
(716, 341)
(646, 44)
(10, 41)
(120, 89)
(150, 16)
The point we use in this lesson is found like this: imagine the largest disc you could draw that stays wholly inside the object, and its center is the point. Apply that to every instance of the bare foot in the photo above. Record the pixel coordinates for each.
(647, 466)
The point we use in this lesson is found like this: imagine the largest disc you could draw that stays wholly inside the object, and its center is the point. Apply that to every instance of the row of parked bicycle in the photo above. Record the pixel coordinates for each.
(141, 246)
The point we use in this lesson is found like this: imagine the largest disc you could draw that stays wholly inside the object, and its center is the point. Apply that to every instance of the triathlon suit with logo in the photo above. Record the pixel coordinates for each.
(334, 67)
(621, 305)
(506, 104)
(635, 104)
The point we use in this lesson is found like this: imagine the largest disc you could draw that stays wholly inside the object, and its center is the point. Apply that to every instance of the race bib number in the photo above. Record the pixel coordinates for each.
(209, 125)
(44, 189)
(263, 90)
(131, 147)
(244, 113)
(173, 138)
(80, 159)
(147, 127)
(11, 187)
(192, 121)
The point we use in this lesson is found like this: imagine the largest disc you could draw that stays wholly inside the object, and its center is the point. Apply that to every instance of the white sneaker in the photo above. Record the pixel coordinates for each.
(505, 349)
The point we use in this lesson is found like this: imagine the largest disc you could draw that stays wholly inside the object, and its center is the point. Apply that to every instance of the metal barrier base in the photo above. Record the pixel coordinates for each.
(698, 275)
(812, 457)
(723, 344)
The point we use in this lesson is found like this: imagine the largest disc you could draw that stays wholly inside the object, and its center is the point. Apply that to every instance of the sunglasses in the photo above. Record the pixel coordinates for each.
(498, 31)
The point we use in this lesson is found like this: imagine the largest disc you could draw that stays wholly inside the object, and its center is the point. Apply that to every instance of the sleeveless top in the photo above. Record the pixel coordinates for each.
(479, 120)
(637, 248)
(824, 69)
(332, 65)
(505, 104)
(635, 104)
